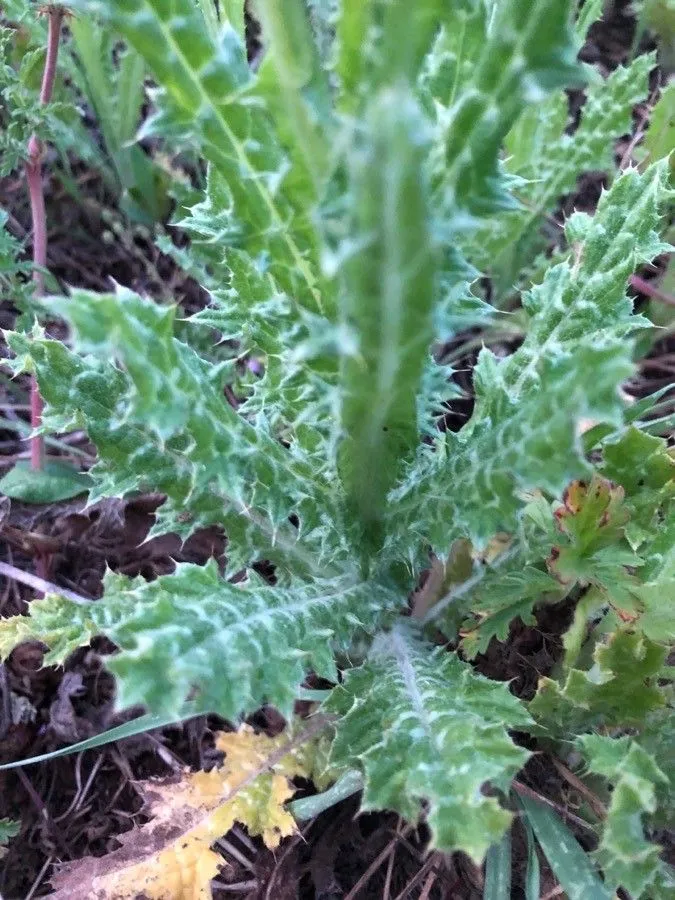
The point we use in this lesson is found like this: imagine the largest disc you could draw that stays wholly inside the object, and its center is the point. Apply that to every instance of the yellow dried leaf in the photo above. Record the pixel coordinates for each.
(170, 857)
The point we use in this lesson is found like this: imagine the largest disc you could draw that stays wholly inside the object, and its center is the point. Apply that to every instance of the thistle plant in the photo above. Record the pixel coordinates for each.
(356, 189)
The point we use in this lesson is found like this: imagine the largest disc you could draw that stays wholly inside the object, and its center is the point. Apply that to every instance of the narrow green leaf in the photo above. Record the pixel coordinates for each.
(498, 870)
(130, 94)
(292, 70)
(569, 862)
(532, 867)
(139, 725)
(233, 11)
(352, 26)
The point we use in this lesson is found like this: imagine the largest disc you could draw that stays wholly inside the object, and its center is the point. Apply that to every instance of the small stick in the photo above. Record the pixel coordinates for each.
(38, 215)
(39, 584)
(526, 791)
(594, 802)
(379, 860)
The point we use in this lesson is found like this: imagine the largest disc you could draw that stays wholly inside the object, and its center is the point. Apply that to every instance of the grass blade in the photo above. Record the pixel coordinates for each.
(140, 725)
(568, 861)
(498, 870)
(532, 869)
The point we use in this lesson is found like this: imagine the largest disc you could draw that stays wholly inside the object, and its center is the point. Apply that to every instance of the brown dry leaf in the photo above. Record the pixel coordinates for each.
(170, 857)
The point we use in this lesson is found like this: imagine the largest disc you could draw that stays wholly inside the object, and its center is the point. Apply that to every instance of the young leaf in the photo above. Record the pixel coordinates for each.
(511, 585)
(528, 52)
(645, 469)
(660, 137)
(522, 434)
(621, 689)
(387, 274)
(547, 161)
(290, 73)
(232, 647)
(423, 726)
(593, 549)
(626, 857)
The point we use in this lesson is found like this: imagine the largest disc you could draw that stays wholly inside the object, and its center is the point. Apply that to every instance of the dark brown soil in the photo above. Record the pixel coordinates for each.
(77, 805)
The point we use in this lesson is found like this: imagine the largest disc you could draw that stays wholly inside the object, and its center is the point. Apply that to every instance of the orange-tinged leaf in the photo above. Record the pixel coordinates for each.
(170, 858)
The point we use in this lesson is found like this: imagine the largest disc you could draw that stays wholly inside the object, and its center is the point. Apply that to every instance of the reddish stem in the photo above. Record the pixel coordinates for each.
(38, 215)
(649, 289)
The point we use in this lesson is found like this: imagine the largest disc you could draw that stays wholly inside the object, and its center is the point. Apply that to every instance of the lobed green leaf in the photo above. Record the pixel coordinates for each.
(423, 726)
(628, 859)
(229, 648)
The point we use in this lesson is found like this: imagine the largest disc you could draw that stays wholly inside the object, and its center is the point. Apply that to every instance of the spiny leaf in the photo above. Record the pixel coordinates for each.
(511, 585)
(387, 272)
(507, 447)
(381, 41)
(587, 295)
(528, 52)
(204, 95)
(657, 738)
(590, 12)
(233, 647)
(454, 55)
(547, 161)
(297, 350)
(170, 856)
(164, 424)
(484, 68)
(424, 726)
(620, 690)
(522, 434)
(626, 857)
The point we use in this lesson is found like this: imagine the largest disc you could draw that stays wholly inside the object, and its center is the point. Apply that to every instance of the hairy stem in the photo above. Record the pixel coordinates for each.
(38, 215)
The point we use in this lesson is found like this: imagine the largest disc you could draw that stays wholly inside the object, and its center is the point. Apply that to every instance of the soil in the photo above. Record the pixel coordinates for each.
(77, 805)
